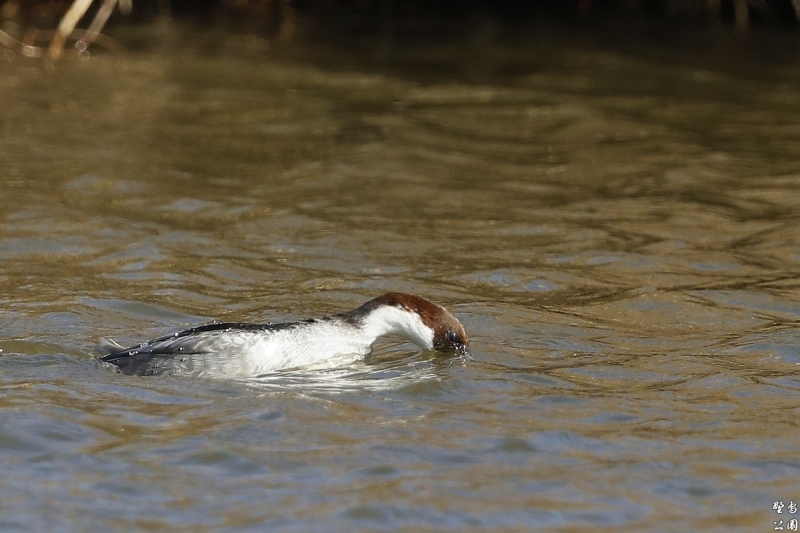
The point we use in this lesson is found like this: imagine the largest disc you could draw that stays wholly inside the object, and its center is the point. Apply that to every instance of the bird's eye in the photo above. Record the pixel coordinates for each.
(453, 337)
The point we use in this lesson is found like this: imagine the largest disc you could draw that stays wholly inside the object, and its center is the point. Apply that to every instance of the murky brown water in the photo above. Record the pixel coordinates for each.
(619, 238)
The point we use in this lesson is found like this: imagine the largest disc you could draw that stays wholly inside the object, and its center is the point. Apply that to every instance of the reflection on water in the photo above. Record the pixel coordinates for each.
(617, 236)
(349, 376)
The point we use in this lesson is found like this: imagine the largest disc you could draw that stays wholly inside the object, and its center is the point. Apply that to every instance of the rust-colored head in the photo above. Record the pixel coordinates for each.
(448, 333)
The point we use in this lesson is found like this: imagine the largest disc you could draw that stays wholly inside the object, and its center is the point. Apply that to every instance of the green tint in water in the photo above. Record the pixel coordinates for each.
(619, 239)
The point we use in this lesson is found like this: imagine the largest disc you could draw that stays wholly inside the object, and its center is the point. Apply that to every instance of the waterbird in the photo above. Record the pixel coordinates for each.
(241, 350)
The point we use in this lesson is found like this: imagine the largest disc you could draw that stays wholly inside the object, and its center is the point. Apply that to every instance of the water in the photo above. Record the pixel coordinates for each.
(619, 238)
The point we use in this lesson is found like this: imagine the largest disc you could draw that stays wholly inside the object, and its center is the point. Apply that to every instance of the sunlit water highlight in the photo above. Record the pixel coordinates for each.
(624, 255)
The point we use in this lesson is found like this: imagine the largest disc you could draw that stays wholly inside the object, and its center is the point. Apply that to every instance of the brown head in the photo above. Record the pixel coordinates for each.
(448, 333)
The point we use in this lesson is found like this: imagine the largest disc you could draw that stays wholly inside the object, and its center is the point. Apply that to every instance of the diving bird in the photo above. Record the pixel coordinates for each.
(239, 350)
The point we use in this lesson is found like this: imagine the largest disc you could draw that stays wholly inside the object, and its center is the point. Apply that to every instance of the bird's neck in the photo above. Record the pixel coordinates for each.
(390, 320)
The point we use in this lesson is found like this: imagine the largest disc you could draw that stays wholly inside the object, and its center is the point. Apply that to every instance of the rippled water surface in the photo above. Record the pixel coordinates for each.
(619, 237)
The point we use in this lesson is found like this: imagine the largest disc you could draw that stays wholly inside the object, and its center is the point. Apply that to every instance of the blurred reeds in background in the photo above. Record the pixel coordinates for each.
(45, 28)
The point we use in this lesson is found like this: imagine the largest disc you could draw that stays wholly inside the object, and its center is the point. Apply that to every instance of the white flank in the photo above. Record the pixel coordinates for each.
(252, 353)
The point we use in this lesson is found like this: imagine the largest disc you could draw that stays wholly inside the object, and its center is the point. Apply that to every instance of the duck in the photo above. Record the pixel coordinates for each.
(242, 350)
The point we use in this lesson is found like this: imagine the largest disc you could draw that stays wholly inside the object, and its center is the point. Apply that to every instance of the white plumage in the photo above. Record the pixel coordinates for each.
(246, 350)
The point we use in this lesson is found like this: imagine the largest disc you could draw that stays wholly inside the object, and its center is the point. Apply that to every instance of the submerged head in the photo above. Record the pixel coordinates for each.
(447, 333)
